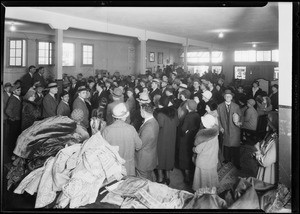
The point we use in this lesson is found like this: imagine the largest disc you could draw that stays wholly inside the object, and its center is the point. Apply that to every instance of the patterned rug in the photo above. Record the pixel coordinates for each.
(228, 176)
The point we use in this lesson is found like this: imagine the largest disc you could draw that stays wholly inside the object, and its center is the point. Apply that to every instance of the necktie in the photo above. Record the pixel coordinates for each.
(227, 107)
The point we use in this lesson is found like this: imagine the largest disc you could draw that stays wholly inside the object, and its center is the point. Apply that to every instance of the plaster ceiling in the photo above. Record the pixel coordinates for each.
(241, 25)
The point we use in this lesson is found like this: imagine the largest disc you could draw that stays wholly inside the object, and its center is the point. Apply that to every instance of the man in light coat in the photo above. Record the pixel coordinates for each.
(229, 121)
(146, 157)
(124, 136)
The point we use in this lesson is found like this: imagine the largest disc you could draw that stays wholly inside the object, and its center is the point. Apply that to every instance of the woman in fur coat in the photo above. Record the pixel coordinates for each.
(206, 147)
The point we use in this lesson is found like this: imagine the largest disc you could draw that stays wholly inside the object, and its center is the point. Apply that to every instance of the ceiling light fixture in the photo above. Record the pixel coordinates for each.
(12, 27)
(221, 35)
(254, 45)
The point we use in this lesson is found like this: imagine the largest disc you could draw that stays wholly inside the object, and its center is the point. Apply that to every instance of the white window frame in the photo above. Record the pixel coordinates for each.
(12, 50)
(48, 52)
(83, 55)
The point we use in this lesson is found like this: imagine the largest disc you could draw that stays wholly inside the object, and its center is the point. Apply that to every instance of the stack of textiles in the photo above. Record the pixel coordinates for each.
(39, 142)
(76, 173)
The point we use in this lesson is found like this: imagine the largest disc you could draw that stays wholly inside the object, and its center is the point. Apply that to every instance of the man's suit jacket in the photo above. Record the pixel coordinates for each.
(14, 108)
(39, 78)
(5, 101)
(26, 83)
(63, 109)
(79, 104)
(49, 106)
(146, 157)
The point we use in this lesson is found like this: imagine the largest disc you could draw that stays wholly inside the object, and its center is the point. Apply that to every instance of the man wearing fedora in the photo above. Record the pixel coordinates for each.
(13, 111)
(230, 116)
(38, 76)
(79, 103)
(27, 80)
(63, 107)
(146, 157)
(39, 89)
(117, 96)
(50, 102)
(123, 135)
(155, 90)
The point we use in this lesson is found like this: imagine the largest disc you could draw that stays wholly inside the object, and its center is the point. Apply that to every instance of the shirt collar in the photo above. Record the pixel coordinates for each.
(17, 96)
(81, 99)
(149, 118)
(65, 102)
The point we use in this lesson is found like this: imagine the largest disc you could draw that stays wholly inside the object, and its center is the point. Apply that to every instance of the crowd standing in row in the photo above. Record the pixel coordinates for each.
(158, 120)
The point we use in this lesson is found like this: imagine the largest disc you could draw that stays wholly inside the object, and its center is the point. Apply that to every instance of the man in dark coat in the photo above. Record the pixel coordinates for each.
(196, 92)
(6, 96)
(13, 111)
(50, 102)
(117, 97)
(146, 157)
(79, 103)
(274, 97)
(155, 90)
(63, 107)
(230, 116)
(27, 80)
(38, 76)
(187, 132)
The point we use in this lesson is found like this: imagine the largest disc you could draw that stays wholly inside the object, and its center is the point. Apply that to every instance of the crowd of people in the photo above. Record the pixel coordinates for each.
(159, 120)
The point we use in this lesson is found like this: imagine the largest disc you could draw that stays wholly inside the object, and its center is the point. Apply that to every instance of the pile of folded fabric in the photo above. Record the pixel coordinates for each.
(39, 142)
(74, 176)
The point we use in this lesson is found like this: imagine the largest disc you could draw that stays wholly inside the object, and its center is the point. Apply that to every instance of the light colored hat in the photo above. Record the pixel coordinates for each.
(192, 105)
(144, 98)
(117, 92)
(52, 85)
(208, 121)
(183, 86)
(77, 115)
(29, 93)
(251, 102)
(207, 94)
(120, 111)
(81, 88)
(156, 80)
(174, 72)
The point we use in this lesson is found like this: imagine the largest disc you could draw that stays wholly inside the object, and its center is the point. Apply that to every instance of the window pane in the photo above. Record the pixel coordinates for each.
(12, 44)
(18, 52)
(12, 61)
(217, 56)
(275, 55)
(12, 53)
(18, 44)
(18, 61)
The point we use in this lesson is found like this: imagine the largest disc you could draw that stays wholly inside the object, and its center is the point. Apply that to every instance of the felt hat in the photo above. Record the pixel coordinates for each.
(8, 84)
(29, 93)
(120, 111)
(186, 93)
(191, 104)
(208, 121)
(52, 85)
(170, 89)
(66, 84)
(130, 89)
(117, 92)
(31, 66)
(77, 115)
(251, 102)
(82, 88)
(15, 87)
(207, 94)
(144, 98)
(164, 101)
(175, 73)
(228, 91)
(64, 92)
